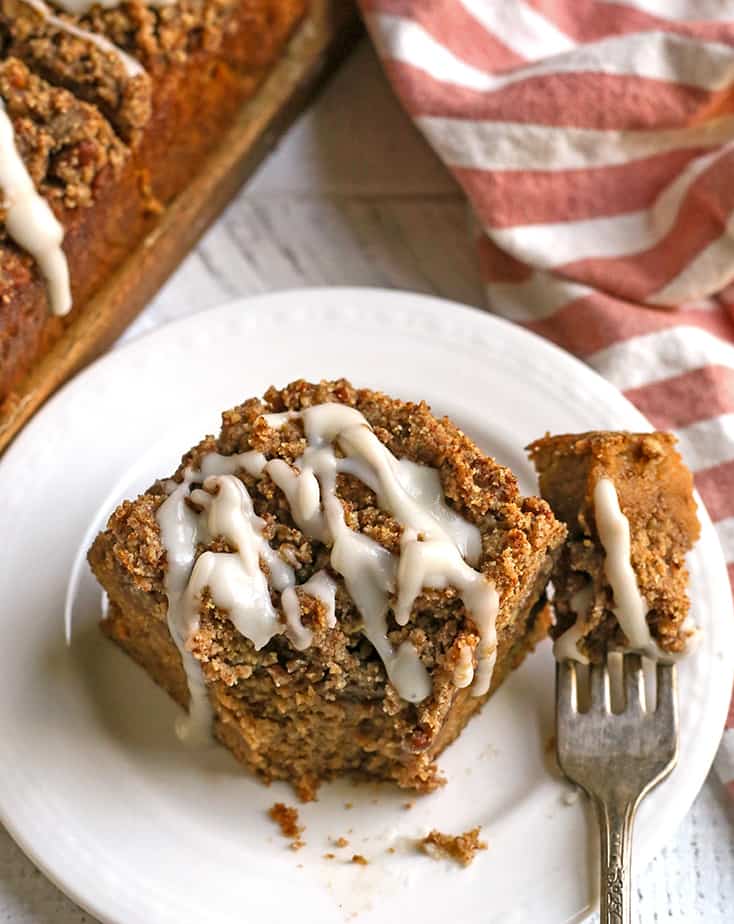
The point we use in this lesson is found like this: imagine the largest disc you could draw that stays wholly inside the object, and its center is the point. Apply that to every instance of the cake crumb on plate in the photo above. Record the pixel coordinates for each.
(359, 859)
(286, 818)
(458, 847)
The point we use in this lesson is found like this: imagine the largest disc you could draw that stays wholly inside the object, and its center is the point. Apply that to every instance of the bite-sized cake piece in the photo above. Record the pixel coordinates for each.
(620, 581)
(334, 584)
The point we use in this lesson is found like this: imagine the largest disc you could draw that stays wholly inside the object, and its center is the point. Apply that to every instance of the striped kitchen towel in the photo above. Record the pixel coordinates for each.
(595, 141)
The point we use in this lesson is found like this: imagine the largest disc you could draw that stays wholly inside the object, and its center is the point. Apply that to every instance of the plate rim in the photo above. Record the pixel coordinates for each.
(257, 305)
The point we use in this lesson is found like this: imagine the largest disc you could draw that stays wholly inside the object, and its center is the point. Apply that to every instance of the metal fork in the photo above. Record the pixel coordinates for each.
(616, 758)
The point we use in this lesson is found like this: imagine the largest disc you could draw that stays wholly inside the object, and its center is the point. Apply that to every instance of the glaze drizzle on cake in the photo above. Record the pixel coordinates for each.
(630, 607)
(438, 549)
(30, 221)
(614, 534)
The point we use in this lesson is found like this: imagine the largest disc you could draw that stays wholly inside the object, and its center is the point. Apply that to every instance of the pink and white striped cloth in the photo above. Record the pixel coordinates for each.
(595, 141)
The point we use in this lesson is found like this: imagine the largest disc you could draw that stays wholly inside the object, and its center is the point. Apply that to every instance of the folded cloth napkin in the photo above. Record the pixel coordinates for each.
(595, 142)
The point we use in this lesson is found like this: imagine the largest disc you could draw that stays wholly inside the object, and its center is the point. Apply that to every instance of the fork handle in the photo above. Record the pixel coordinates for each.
(615, 825)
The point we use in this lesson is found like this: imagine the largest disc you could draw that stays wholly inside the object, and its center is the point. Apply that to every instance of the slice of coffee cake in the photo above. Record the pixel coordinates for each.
(334, 584)
(620, 581)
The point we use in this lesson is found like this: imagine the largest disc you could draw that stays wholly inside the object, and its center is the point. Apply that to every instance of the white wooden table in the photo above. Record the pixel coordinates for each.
(354, 196)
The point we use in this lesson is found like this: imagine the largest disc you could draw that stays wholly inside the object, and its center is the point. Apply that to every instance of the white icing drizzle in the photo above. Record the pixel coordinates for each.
(235, 580)
(423, 485)
(368, 569)
(323, 588)
(179, 533)
(181, 530)
(276, 421)
(565, 647)
(434, 561)
(79, 7)
(614, 533)
(320, 586)
(30, 221)
(433, 542)
(251, 462)
(132, 67)
(630, 606)
(464, 670)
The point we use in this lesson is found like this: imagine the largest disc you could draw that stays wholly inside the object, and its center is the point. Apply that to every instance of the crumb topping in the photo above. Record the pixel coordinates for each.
(462, 848)
(335, 696)
(67, 146)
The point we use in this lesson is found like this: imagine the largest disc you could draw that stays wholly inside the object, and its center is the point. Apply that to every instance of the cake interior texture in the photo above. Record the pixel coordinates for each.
(655, 494)
(314, 699)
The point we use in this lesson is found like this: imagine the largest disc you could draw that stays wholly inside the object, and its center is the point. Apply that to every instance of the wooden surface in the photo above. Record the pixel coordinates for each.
(353, 196)
(320, 42)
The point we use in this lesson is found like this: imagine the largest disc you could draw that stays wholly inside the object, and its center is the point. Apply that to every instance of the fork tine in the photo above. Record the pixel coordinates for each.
(667, 689)
(634, 684)
(566, 688)
(615, 758)
(600, 698)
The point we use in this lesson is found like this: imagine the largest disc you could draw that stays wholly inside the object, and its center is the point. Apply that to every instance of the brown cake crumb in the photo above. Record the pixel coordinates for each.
(329, 856)
(458, 847)
(341, 842)
(359, 859)
(407, 806)
(286, 818)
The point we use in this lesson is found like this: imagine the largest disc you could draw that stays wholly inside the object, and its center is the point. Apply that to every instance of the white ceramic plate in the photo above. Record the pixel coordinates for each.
(93, 783)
